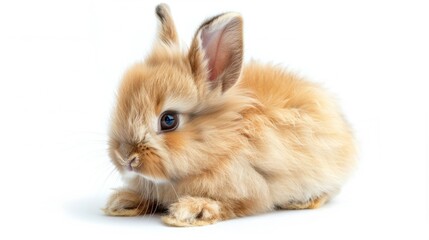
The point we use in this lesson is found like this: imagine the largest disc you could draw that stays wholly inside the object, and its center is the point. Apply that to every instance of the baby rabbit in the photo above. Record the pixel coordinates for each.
(205, 138)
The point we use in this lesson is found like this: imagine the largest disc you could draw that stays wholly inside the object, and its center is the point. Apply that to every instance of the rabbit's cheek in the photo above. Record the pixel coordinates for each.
(176, 141)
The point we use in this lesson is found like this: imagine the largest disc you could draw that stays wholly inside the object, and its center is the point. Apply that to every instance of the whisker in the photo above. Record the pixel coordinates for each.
(109, 175)
(153, 206)
(144, 192)
(121, 160)
(143, 200)
(157, 202)
(174, 190)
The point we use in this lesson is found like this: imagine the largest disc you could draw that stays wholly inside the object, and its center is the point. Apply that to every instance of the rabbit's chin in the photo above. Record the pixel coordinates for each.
(131, 175)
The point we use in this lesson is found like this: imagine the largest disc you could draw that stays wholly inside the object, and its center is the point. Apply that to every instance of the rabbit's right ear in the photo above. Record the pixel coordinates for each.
(216, 53)
(167, 31)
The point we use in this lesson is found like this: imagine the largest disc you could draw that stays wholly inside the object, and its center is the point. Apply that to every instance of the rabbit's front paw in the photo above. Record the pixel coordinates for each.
(125, 203)
(193, 211)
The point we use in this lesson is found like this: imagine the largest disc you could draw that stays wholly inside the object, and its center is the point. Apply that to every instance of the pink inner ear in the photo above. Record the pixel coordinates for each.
(216, 52)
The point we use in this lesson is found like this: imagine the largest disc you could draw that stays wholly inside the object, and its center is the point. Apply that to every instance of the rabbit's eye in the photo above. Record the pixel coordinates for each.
(168, 121)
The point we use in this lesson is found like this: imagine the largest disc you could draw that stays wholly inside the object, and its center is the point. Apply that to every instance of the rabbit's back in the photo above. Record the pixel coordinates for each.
(306, 146)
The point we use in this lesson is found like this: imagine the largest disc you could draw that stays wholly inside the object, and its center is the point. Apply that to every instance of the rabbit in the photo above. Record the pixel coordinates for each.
(201, 137)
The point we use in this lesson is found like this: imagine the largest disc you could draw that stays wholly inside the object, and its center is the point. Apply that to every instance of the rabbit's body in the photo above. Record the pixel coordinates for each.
(270, 141)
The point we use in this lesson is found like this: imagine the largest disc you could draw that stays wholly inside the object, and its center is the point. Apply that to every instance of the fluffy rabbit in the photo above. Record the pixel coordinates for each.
(200, 136)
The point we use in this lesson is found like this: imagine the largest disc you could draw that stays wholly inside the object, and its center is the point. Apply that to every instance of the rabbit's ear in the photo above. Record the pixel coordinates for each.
(216, 52)
(167, 30)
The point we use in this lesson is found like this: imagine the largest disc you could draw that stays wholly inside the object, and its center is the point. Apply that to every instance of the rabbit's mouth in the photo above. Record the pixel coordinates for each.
(145, 164)
(130, 175)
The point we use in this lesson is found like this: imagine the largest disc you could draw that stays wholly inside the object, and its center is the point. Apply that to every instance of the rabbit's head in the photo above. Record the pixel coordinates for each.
(173, 116)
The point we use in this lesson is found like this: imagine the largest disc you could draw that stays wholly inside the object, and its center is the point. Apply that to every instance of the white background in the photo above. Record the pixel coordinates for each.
(61, 62)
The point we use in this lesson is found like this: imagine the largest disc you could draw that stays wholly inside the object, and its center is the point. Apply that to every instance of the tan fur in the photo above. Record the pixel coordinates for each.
(128, 203)
(167, 33)
(193, 211)
(310, 204)
(271, 140)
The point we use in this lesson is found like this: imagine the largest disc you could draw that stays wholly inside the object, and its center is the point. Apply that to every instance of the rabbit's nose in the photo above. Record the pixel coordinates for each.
(133, 162)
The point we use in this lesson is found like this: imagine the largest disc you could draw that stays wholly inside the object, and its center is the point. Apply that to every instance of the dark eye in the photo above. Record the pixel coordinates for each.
(168, 121)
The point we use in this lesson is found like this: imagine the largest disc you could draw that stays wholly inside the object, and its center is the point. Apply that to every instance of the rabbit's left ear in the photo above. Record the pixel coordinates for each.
(216, 53)
(167, 30)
